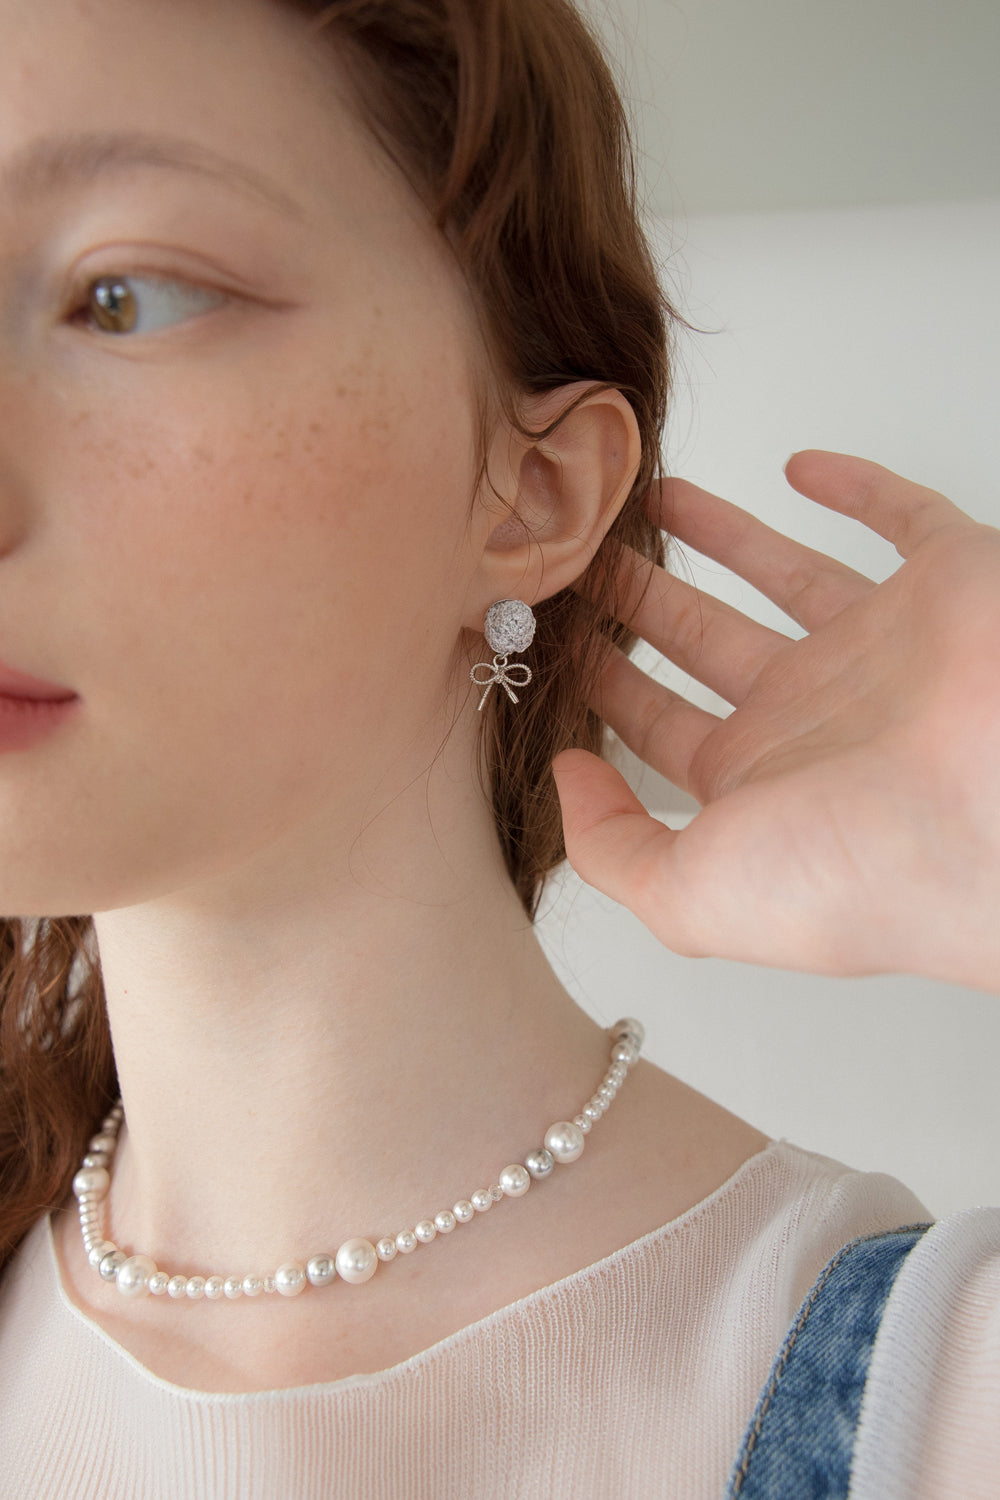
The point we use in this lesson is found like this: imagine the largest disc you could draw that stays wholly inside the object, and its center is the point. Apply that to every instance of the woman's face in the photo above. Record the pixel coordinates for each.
(236, 448)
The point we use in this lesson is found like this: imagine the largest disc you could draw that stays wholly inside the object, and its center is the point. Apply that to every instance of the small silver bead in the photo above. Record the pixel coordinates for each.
(110, 1263)
(482, 1199)
(565, 1141)
(582, 1123)
(233, 1287)
(321, 1270)
(629, 1026)
(97, 1254)
(464, 1211)
(269, 1285)
(158, 1284)
(195, 1288)
(290, 1279)
(387, 1249)
(515, 1180)
(215, 1287)
(540, 1163)
(496, 1191)
(406, 1241)
(252, 1286)
(177, 1287)
(444, 1222)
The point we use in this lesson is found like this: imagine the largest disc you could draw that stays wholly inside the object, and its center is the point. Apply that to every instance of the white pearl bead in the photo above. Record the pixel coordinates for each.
(177, 1287)
(133, 1275)
(464, 1211)
(290, 1279)
(357, 1261)
(93, 1182)
(406, 1241)
(425, 1231)
(387, 1249)
(321, 1270)
(233, 1287)
(582, 1123)
(104, 1142)
(215, 1287)
(252, 1286)
(514, 1180)
(158, 1284)
(593, 1111)
(444, 1222)
(496, 1191)
(482, 1199)
(195, 1288)
(625, 1051)
(564, 1140)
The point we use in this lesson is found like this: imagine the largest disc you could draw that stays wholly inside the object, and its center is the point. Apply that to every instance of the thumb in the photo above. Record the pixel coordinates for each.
(611, 841)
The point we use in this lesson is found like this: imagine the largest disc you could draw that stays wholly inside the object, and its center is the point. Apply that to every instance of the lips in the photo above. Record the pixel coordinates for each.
(14, 684)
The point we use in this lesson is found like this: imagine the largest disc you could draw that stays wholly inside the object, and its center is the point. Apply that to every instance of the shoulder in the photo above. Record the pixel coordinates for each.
(930, 1421)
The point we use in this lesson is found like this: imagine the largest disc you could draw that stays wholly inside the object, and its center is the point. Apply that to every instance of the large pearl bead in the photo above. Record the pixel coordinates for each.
(564, 1140)
(357, 1261)
(95, 1180)
(134, 1274)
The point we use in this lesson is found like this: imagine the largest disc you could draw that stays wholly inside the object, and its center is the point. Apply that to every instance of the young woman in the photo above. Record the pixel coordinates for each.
(323, 330)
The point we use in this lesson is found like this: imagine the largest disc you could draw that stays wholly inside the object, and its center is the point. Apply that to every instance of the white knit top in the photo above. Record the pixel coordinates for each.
(635, 1377)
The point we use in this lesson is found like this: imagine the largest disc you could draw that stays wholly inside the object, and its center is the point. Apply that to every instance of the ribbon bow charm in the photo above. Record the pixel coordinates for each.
(501, 673)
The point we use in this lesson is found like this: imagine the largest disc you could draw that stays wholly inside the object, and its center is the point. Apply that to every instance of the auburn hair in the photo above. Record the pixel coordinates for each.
(505, 119)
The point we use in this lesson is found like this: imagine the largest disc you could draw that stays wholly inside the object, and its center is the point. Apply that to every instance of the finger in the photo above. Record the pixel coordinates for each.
(709, 639)
(656, 724)
(611, 841)
(905, 513)
(809, 586)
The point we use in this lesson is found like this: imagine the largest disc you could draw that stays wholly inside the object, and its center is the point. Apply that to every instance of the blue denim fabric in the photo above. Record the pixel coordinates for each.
(799, 1443)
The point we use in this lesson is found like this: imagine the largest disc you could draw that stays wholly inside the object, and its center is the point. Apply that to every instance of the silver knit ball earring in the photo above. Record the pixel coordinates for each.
(509, 626)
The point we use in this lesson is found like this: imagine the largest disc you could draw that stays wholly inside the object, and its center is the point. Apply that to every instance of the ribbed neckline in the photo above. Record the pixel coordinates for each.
(753, 1165)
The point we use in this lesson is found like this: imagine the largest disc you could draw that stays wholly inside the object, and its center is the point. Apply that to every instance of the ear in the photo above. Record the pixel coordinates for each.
(547, 503)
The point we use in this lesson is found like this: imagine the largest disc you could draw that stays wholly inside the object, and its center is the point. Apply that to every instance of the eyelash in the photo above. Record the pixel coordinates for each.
(82, 312)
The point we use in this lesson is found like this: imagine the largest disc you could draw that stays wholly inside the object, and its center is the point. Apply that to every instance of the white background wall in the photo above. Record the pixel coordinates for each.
(869, 329)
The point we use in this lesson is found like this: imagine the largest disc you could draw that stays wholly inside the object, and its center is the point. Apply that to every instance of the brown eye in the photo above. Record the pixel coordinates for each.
(143, 304)
(113, 305)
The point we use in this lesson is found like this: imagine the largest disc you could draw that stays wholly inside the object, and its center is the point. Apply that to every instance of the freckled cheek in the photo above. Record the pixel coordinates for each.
(249, 548)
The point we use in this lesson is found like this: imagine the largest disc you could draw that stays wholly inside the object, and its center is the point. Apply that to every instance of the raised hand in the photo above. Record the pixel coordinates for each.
(850, 803)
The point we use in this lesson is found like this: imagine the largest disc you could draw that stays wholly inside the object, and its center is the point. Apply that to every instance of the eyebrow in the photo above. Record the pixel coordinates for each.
(52, 163)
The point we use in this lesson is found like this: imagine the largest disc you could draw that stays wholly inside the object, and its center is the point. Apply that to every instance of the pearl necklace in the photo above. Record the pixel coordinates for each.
(357, 1259)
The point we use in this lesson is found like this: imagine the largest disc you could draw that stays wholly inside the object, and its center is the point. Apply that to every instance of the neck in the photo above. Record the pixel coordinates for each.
(306, 1055)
